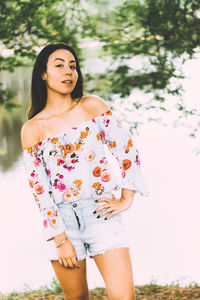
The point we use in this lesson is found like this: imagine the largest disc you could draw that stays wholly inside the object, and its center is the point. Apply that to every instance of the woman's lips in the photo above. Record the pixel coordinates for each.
(67, 81)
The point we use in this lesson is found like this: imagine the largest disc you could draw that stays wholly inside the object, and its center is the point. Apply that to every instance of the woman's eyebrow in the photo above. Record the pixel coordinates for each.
(64, 60)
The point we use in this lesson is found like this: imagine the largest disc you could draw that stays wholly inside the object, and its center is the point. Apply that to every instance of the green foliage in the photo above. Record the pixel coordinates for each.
(164, 33)
(27, 26)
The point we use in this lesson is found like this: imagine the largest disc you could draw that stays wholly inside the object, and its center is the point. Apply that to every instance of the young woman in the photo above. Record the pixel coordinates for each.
(71, 179)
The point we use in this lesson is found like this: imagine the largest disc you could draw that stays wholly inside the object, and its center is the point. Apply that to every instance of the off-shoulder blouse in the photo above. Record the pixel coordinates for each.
(73, 164)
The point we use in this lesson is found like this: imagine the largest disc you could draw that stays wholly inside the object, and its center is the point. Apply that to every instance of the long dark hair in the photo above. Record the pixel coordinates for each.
(38, 86)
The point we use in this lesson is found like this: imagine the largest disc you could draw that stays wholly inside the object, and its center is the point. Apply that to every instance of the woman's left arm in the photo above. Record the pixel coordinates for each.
(119, 141)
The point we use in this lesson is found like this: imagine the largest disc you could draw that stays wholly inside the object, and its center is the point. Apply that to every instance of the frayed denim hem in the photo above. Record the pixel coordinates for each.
(109, 248)
(82, 257)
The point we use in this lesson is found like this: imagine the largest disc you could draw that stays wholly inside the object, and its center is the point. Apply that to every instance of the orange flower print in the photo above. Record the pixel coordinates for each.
(112, 144)
(84, 134)
(97, 172)
(98, 136)
(69, 148)
(66, 196)
(78, 145)
(53, 223)
(54, 140)
(105, 176)
(126, 163)
(109, 112)
(39, 189)
(30, 149)
(49, 213)
(90, 156)
(99, 188)
(31, 183)
(78, 182)
(130, 143)
(127, 150)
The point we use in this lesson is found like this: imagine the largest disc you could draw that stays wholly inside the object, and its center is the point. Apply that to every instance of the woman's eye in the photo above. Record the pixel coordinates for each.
(73, 67)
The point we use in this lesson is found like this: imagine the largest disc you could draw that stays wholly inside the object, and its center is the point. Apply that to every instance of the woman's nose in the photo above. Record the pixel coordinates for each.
(68, 70)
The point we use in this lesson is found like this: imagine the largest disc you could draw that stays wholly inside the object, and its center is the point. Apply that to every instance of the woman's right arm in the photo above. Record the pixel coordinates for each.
(40, 184)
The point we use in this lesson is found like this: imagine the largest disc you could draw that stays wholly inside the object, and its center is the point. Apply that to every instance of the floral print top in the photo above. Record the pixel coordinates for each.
(73, 165)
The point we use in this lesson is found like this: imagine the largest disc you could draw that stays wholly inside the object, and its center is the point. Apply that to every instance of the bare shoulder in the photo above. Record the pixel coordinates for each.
(95, 104)
(29, 132)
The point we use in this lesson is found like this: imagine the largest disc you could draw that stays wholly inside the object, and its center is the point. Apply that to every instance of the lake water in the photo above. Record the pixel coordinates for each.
(163, 228)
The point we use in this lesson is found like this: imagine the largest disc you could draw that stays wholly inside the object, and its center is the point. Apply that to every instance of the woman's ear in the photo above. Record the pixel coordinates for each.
(43, 76)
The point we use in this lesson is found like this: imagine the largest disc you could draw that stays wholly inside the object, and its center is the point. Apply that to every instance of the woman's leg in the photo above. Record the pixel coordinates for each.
(73, 281)
(116, 269)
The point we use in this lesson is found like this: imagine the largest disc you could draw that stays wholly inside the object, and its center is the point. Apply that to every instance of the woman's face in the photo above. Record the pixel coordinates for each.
(61, 74)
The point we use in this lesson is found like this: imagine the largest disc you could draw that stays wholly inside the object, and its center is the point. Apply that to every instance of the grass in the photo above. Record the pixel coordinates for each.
(144, 292)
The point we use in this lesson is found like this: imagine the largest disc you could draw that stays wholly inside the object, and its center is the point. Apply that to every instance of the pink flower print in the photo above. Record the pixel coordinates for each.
(137, 160)
(45, 223)
(123, 173)
(39, 189)
(70, 168)
(55, 185)
(103, 135)
(61, 161)
(61, 176)
(101, 161)
(105, 176)
(73, 161)
(62, 187)
(32, 174)
(48, 172)
(107, 121)
(37, 161)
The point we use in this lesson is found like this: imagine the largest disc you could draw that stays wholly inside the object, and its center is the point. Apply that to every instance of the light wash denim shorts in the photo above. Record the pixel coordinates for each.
(89, 235)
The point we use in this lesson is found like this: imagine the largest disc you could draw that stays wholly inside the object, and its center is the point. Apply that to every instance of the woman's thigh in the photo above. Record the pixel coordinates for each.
(116, 269)
(73, 281)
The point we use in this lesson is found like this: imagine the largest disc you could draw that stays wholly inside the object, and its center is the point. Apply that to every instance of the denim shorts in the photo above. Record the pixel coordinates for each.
(89, 235)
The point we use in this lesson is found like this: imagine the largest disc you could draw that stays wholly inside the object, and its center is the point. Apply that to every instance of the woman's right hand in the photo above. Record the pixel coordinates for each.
(67, 255)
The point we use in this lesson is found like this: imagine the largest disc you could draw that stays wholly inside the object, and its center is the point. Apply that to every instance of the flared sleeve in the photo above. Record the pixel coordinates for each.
(120, 143)
(40, 184)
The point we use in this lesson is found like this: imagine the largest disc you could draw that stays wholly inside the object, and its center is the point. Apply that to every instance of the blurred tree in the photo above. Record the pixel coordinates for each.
(164, 34)
(28, 25)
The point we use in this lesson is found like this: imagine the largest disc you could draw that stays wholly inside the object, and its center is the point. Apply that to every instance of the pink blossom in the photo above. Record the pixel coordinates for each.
(101, 161)
(48, 172)
(61, 161)
(45, 223)
(62, 187)
(32, 174)
(60, 176)
(55, 185)
(137, 161)
(123, 174)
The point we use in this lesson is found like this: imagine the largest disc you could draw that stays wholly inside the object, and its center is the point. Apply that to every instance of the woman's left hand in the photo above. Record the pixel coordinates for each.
(114, 206)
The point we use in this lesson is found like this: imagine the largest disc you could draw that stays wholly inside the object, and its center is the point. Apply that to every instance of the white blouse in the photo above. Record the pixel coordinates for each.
(73, 165)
